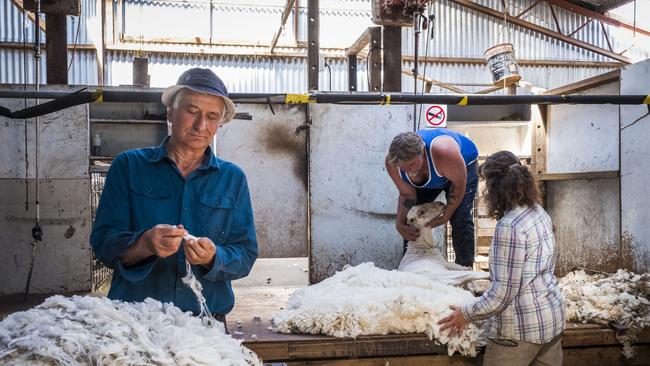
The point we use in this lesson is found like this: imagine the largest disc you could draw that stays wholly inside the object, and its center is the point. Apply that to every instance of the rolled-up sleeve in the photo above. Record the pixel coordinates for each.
(235, 257)
(506, 268)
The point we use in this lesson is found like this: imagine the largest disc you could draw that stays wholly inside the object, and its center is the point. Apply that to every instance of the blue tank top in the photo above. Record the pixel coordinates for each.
(467, 149)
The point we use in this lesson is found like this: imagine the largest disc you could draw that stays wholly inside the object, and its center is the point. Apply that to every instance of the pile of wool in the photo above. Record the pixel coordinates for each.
(621, 299)
(366, 300)
(85, 330)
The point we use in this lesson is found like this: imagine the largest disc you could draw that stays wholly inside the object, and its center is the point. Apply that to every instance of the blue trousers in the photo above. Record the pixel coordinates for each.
(462, 221)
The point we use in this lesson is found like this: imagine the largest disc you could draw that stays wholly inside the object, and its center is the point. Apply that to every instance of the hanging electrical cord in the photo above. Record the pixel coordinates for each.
(25, 66)
(329, 70)
(37, 231)
(430, 26)
(74, 45)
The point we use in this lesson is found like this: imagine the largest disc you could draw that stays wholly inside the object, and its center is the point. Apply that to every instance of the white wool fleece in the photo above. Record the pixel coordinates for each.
(366, 300)
(85, 330)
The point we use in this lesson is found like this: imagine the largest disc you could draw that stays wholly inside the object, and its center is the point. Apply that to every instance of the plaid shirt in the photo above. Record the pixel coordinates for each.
(524, 297)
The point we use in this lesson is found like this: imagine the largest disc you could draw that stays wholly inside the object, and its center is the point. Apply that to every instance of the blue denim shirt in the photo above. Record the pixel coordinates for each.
(144, 188)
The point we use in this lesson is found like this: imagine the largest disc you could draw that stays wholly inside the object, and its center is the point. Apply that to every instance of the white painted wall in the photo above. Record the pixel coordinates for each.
(63, 258)
(583, 138)
(490, 138)
(353, 200)
(274, 158)
(635, 168)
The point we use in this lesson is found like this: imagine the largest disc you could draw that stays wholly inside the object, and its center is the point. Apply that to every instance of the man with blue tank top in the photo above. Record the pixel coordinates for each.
(424, 163)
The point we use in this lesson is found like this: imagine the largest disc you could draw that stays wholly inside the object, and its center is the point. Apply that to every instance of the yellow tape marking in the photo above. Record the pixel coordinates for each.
(298, 99)
(647, 99)
(463, 101)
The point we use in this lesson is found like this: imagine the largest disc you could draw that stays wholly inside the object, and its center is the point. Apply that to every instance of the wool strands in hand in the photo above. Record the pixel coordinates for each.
(193, 283)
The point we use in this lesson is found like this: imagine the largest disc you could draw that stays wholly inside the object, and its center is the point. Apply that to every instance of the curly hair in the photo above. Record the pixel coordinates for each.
(508, 184)
(405, 147)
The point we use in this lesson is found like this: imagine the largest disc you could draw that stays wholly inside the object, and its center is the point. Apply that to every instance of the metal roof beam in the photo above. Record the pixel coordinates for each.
(545, 31)
(595, 15)
(283, 21)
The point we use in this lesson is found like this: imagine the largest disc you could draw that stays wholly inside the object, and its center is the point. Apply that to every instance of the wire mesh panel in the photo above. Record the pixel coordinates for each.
(98, 170)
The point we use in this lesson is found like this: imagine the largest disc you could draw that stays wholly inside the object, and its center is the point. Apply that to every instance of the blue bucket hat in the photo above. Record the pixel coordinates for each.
(201, 81)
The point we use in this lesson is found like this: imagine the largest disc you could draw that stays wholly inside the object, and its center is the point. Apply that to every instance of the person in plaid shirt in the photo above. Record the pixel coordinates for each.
(524, 302)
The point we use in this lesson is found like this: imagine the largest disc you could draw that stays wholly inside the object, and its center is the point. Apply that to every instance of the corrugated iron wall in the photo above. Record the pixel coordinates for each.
(342, 21)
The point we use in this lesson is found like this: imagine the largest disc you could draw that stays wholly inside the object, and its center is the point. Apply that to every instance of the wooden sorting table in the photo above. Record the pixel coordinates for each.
(584, 344)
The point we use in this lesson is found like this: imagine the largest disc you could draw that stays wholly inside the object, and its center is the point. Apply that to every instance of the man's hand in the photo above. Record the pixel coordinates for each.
(437, 221)
(408, 232)
(164, 240)
(200, 251)
(455, 322)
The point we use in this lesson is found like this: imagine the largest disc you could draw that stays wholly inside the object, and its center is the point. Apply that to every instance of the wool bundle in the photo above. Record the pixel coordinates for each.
(85, 330)
(366, 300)
(621, 299)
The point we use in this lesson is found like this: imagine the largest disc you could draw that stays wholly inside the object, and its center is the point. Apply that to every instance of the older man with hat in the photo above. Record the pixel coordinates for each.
(154, 196)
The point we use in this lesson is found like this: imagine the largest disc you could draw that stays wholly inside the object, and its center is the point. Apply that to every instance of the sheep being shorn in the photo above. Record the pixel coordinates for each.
(423, 256)
(97, 331)
(621, 299)
(366, 300)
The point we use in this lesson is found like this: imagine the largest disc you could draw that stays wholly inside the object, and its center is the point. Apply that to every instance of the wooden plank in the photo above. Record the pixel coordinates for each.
(581, 175)
(388, 345)
(360, 43)
(520, 62)
(484, 241)
(612, 355)
(428, 360)
(589, 83)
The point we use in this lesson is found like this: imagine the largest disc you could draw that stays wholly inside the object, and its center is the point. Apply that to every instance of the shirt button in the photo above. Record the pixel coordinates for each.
(185, 209)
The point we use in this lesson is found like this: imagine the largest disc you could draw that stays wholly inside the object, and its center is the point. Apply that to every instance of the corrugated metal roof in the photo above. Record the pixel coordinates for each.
(462, 32)
(265, 74)
(11, 26)
(83, 70)
(458, 32)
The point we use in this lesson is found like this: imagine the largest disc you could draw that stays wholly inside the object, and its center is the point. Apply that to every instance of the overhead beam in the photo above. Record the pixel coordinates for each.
(283, 21)
(545, 31)
(19, 4)
(430, 81)
(361, 42)
(61, 7)
(596, 15)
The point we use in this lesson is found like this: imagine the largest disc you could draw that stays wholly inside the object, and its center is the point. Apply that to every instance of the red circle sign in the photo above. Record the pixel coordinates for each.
(435, 116)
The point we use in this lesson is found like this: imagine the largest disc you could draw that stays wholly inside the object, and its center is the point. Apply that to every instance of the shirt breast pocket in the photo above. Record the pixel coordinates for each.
(150, 203)
(216, 213)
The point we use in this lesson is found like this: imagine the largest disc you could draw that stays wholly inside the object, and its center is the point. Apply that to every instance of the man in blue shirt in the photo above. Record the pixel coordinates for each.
(154, 196)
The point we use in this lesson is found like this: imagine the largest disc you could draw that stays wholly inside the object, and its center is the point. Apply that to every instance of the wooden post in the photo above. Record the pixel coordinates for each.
(374, 62)
(313, 44)
(141, 71)
(539, 147)
(352, 72)
(392, 45)
(56, 43)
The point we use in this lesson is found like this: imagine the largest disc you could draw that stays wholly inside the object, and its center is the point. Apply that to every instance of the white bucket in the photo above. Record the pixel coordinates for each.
(502, 64)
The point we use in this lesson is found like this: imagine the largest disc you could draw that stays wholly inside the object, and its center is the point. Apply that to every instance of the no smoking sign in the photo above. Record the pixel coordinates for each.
(435, 115)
